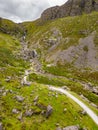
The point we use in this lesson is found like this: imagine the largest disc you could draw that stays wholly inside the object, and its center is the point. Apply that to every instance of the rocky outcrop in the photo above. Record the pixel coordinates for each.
(70, 8)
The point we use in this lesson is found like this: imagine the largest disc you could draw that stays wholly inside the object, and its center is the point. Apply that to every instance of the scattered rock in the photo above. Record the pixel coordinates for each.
(19, 98)
(49, 111)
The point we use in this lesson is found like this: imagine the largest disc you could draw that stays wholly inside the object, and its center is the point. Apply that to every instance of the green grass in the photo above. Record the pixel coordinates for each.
(60, 81)
(39, 122)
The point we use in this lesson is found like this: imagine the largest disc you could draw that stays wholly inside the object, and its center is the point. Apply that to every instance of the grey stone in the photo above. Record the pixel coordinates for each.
(36, 99)
(19, 98)
(29, 113)
(83, 112)
(49, 111)
(15, 111)
(71, 128)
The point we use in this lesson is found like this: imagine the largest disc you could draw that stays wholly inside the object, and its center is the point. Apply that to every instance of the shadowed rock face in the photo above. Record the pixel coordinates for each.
(70, 8)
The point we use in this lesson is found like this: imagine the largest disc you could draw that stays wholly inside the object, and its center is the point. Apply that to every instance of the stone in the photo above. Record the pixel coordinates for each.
(1, 126)
(19, 98)
(4, 94)
(33, 53)
(29, 113)
(49, 111)
(65, 109)
(20, 116)
(15, 111)
(36, 99)
(8, 79)
(83, 112)
(71, 128)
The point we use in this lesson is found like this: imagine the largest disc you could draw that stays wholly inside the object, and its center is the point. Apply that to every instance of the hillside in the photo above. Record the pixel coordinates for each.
(52, 53)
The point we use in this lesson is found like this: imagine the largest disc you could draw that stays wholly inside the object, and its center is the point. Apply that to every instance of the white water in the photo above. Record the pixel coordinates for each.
(86, 108)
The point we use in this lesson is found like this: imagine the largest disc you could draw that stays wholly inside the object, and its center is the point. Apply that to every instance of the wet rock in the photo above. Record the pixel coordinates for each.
(49, 111)
(1, 126)
(19, 98)
(71, 128)
(15, 111)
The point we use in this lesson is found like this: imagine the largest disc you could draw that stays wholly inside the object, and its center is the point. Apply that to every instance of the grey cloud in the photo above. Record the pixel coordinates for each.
(22, 10)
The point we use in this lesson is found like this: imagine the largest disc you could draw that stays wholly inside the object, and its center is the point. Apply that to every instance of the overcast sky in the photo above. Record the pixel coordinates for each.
(25, 10)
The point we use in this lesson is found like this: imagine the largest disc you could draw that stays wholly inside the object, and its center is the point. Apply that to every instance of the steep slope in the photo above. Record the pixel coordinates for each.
(67, 40)
(9, 27)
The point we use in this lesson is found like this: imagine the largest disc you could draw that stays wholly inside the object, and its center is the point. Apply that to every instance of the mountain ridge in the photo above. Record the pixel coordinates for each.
(70, 8)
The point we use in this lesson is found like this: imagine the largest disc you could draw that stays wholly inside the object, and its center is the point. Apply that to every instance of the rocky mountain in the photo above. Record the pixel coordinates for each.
(70, 8)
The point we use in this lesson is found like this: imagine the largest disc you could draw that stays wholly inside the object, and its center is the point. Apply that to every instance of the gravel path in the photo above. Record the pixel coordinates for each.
(82, 105)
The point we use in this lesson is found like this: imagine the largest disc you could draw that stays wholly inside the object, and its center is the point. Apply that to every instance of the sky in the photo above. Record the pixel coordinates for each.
(25, 10)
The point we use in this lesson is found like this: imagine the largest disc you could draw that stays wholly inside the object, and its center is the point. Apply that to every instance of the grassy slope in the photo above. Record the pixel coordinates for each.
(69, 27)
(11, 66)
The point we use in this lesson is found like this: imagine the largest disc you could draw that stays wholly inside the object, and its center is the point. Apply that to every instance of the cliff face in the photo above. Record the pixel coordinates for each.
(70, 8)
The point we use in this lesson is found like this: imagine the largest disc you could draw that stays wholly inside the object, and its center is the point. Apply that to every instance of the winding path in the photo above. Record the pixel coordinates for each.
(82, 105)
(93, 116)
